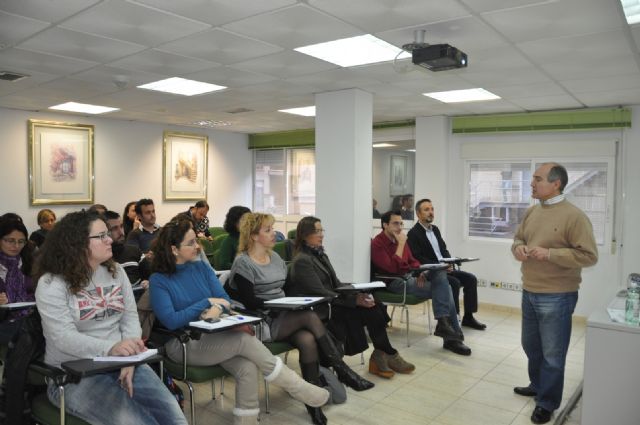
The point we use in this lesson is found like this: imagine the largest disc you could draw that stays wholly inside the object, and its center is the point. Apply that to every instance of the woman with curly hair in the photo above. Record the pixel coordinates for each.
(258, 274)
(184, 289)
(88, 310)
(229, 247)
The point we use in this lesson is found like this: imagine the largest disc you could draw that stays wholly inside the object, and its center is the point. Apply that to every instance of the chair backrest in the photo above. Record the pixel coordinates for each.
(217, 241)
(217, 231)
(291, 234)
(281, 249)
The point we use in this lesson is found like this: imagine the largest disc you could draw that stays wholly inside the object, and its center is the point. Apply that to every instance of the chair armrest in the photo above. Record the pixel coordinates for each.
(57, 375)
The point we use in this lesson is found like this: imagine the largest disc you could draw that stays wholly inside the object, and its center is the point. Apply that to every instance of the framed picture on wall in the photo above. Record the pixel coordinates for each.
(60, 163)
(398, 175)
(184, 173)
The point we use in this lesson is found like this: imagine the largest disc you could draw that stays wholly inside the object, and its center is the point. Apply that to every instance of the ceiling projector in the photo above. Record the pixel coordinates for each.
(439, 57)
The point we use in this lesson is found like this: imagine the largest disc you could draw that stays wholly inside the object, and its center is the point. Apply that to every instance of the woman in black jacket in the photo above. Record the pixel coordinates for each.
(311, 273)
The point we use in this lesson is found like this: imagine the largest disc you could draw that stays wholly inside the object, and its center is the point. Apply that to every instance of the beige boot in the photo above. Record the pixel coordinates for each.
(245, 416)
(297, 387)
(400, 365)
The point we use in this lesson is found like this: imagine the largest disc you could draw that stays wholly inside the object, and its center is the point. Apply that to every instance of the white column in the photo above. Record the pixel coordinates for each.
(630, 198)
(343, 179)
(432, 159)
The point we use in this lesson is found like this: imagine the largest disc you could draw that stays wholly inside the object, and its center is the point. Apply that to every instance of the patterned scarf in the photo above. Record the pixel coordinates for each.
(318, 251)
(14, 283)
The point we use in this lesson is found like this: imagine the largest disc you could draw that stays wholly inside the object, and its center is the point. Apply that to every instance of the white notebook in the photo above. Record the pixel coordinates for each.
(134, 358)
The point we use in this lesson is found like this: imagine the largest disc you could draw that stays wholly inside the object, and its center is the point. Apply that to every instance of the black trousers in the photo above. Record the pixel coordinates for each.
(469, 284)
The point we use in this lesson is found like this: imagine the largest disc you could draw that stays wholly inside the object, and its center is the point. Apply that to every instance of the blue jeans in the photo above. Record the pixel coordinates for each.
(98, 399)
(437, 288)
(546, 332)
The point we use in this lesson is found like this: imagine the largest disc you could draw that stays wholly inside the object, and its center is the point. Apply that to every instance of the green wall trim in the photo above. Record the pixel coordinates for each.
(306, 137)
(580, 119)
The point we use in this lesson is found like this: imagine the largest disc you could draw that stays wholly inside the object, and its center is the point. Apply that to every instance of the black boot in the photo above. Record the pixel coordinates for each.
(311, 373)
(345, 374)
(445, 329)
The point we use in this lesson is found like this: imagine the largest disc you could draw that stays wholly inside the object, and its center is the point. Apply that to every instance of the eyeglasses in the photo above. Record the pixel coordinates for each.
(15, 242)
(104, 237)
(192, 242)
(318, 231)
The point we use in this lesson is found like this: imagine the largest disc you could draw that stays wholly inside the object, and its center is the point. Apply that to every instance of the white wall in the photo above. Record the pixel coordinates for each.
(599, 282)
(127, 167)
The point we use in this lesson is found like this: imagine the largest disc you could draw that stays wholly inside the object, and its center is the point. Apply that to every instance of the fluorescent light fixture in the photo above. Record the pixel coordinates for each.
(177, 85)
(210, 123)
(354, 51)
(631, 11)
(383, 145)
(83, 108)
(410, 150)
(456, 96)
(305, 111)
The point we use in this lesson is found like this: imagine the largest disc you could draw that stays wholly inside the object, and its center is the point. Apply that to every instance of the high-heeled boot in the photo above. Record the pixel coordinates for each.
(345, 374)
(311, 374)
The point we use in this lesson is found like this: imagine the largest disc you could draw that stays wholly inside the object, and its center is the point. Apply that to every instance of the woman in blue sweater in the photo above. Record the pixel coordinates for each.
(184, 289)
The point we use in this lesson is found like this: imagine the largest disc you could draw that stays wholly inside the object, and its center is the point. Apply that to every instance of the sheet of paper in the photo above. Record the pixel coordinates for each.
(225, 322)
(293, 300)
(135, 358)
(369, 285)
(18, 305)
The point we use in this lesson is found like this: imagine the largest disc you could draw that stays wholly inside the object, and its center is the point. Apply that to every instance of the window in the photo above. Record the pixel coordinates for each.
(500, 193)
(285, 181)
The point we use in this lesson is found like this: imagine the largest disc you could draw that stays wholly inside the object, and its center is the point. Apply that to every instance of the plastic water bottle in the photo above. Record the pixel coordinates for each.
(632, 306)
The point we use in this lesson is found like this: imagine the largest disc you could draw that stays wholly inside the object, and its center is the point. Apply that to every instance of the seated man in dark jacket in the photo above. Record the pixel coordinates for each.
(428, 247)
(311, 273)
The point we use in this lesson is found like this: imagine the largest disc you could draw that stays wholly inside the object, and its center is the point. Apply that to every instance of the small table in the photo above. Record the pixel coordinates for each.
(88, 367)
(224, 324)
(295, 303)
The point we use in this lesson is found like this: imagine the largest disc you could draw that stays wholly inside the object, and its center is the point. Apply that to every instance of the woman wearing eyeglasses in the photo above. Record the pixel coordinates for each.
(311, 273)
(258, 274)
(16, 255)
(88, 310)
(184, 289)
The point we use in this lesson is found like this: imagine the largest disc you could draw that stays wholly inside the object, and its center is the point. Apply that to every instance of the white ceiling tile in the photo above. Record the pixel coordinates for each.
(467, 34)
(610, 98)
(14, 29)
(434, 82)
(111, 75)
(19, 59)
(26, 101)
(510, 76)
(133, 98)
(556, 19)
(217, 12)
(526, 90)
(134, 23)
(381, 15)
(162, 63)
(33, 79)
(542, 103)
(490, 107)
(493, 5)
(591, 47)
(229, 77)
(47, 11)
(586, 68)
(614, 83)
(221, 46)
(79, 45)
(333, 79)
(73, 90)
(293, 27)
(284, 65)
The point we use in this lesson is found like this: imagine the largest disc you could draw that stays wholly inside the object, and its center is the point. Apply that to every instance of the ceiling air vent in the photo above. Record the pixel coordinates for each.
(239, 110)
(11, 76)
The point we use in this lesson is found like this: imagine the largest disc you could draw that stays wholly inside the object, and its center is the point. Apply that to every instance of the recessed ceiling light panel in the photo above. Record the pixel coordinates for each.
(354, 51)
(457, 96)
(631, 11)
(384, 145)
(83, 108)
(177, 85)
(305, 111)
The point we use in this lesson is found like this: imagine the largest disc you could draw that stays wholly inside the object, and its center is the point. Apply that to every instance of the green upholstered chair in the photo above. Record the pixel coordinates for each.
(190, 374)
(291, 234)
(402, 300)
(281, 250)
(217, 231)
(207, 247)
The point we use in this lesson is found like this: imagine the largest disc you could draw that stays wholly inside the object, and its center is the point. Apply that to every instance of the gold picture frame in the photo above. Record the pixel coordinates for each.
(60, 163)
(184, 171)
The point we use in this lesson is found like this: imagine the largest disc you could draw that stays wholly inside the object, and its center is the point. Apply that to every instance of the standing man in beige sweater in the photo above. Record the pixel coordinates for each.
(554, 242)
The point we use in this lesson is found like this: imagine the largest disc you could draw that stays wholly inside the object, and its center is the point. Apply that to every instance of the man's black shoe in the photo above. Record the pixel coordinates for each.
(444, 329)
(471, 322)
(540, 415)
(457, 347)
(525, 391)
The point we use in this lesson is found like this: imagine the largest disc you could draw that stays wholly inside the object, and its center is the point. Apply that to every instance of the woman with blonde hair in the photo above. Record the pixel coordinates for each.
(46, 220)
(258, 274)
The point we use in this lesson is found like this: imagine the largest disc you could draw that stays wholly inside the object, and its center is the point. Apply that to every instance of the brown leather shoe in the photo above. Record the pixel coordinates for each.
(398, 364)
(378, 364)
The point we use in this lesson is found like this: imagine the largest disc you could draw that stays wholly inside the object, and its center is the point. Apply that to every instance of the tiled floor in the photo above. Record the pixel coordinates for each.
(445, 389)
